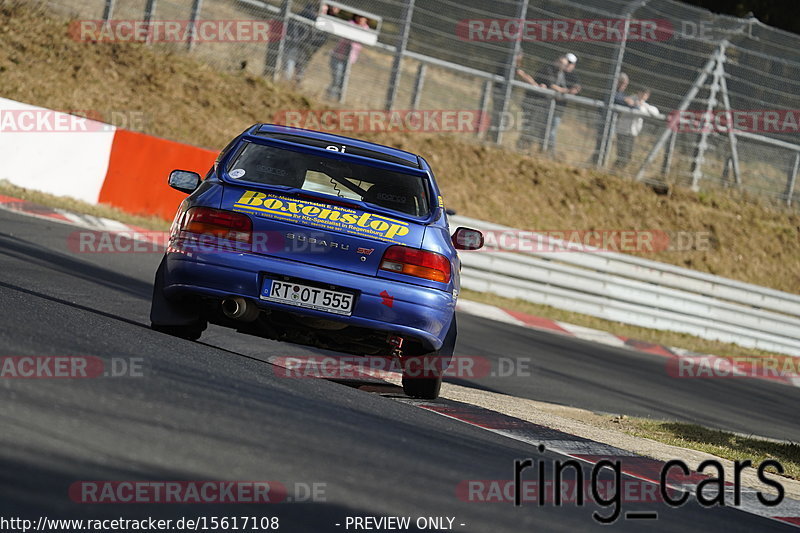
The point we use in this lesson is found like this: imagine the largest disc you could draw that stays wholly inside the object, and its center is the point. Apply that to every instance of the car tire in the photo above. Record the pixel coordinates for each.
(170, 317)
(423, 388)
(427, 388)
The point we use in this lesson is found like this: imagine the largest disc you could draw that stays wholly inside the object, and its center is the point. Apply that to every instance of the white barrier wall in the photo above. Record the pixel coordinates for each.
(53, 152)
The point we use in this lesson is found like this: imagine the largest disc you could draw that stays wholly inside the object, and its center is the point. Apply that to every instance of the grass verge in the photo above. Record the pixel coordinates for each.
(720, 443)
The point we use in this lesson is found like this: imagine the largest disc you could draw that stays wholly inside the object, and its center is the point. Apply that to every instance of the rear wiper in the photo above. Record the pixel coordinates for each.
(347, 183)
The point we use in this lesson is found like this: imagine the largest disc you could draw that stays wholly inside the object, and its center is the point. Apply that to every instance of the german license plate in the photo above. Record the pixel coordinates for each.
(337, 302)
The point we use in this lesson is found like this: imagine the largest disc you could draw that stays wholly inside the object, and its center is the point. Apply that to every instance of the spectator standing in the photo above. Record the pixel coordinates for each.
(499, 89)
(620, 98)
(560, 77)
(344, 54)
(302, 42)
(629, 126)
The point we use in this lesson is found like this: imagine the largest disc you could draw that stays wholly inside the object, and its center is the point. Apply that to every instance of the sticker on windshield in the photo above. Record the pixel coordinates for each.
(324, 216)
(236, 173)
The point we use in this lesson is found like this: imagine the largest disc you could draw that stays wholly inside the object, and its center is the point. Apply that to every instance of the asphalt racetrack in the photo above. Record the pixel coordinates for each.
(216, 410)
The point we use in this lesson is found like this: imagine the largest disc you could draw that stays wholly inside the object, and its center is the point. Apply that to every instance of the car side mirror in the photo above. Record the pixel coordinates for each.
(450, 212)
(467, 239)
(184, 180)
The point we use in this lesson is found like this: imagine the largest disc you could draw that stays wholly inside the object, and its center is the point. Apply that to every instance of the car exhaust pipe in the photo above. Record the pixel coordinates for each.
(240, 309)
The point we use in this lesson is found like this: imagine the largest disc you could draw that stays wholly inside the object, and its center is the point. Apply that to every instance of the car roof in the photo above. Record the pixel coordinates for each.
(353, 146)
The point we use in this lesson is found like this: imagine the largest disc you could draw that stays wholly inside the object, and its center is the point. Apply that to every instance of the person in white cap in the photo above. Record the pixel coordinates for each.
(560, 77)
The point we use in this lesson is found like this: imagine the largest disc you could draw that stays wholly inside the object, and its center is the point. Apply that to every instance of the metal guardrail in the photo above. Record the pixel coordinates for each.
(636, 291)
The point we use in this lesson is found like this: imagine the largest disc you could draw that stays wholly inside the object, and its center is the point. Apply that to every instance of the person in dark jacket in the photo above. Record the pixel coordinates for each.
(560, 77)
(499, 89)
(302, 42)
(621, 99)
(344, 55)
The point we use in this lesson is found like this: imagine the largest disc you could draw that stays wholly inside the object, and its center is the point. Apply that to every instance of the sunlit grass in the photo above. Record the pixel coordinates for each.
(720, 443)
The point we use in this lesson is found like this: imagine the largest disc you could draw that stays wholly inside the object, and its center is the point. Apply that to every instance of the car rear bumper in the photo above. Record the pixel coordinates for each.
(404, 309)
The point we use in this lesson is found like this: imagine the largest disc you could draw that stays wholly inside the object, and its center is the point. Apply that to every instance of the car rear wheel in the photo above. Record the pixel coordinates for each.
(423, 388)
(173, 318)
(422, 375)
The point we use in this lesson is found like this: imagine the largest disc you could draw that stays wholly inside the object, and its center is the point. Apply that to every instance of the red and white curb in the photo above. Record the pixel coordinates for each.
(722, 366)
(63, 216)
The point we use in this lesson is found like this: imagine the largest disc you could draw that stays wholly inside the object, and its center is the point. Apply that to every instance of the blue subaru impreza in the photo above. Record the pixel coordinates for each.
(316, 239)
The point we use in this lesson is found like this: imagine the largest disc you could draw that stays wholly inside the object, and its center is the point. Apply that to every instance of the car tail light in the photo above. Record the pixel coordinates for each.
(219, 223)
(418, 263)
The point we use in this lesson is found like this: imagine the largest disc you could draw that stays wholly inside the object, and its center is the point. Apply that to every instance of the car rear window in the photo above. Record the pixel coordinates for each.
(268, 165)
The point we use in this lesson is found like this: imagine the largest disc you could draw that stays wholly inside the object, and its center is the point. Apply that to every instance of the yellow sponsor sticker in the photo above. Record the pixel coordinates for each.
(323, 215)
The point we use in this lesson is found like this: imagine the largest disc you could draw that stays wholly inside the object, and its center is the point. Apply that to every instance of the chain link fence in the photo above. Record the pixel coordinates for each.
(705, 73)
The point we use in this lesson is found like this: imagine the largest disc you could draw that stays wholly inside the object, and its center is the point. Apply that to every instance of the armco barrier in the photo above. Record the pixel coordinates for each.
(637, 291)
(128, 170)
